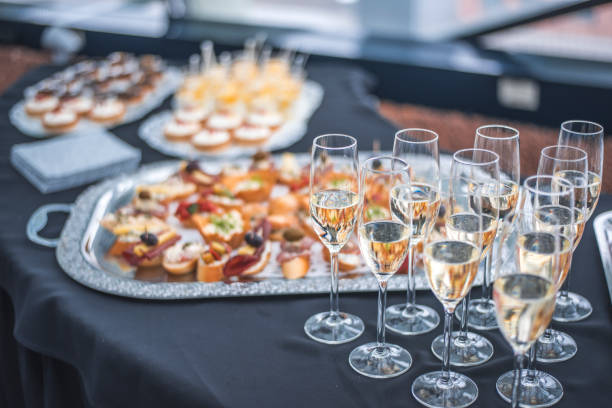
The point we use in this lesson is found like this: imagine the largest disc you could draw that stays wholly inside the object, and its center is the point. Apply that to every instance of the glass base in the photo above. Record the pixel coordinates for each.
(333, 329)
(542, 390)
(380, 362)
(572, 308)
(431, 391)
(481, 314)
(466, 352)
(410, 321)
(556, 348)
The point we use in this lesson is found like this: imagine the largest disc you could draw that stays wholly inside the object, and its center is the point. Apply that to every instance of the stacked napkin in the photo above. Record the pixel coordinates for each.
(73, 160)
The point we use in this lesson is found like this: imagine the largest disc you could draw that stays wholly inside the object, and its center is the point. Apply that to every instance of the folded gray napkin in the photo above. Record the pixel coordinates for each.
(73, 160)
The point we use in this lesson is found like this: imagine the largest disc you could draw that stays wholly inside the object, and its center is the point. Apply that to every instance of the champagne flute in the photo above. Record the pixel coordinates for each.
(452, 253)
(504, 141)
(416, 205)
(384, 244)
(568, 163)
(482, 168)
(588, 136)
(334, 205)
(543, 248)
(524, 305)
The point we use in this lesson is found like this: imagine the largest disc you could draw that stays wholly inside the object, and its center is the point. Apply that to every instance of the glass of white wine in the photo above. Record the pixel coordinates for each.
(588, 136)
(416, 205)
(504, 141)
(570, 164)
(452, 252)
(543, 248)
(334, 208)
(481, 167)
(384, 243)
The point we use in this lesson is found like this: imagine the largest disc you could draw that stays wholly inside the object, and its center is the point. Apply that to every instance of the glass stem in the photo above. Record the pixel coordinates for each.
(464, 317)
(410, 292)
(486, 284)
(380, 320)
(448, 327)
(531, 371)
(334, 305)
(516, 381)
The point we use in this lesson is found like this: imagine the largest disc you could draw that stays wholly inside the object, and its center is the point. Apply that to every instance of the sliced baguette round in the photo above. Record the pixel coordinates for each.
(296, 268)
(180, 268)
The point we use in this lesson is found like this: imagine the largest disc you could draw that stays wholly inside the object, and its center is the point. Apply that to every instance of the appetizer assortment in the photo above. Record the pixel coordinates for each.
(228, 226)
(96, 91)
(239, 99)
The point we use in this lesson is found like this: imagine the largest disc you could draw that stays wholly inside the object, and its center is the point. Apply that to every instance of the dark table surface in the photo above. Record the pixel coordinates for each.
(72, 346)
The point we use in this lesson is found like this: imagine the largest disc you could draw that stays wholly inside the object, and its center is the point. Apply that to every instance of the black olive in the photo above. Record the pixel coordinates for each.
(293, 234)
(376, 164)
(192, 166)
(144, 195)
(149, 239)
(253, 239)
(260, 155)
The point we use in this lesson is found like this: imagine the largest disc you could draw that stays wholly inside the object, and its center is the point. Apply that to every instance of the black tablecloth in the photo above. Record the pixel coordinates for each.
(73, 346)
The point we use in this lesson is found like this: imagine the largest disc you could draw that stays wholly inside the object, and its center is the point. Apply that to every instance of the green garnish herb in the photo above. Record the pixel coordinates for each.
(193, 208)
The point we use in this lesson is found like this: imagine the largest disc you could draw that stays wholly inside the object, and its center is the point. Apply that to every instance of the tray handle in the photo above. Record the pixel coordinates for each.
(38, 221)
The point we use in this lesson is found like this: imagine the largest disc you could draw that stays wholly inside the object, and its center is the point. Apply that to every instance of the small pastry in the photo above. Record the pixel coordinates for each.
(193, 173)
(187, 209)
(291, 174)
(107, 111)
(211, 262)
(145, 203)
(175, 188)
(253, 257)
(181, 258)
(265, 118)
(252, 135)
(148, 251)
(254, 188)
(191, 114)
(60, 120)
(211, 140)
(227, 227)
(349, 257)
(43, 101)
(177, 131)
(224, 198)
(224, 120)
(81, 104)
(285, 204)
(295, 254)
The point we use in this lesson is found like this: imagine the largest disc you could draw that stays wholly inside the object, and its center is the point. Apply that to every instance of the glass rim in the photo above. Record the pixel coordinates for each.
(405, 165)
(515, 132)
(544, 152)
(588, 122)
(399, 133)
(473, 149)
(315, 141)
(533, 189)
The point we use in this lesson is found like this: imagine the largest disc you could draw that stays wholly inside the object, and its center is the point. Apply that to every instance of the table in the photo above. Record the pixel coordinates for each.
(72, 346)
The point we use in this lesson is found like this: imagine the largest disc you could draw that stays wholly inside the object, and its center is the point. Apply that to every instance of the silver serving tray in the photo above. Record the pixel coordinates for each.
(83, 245)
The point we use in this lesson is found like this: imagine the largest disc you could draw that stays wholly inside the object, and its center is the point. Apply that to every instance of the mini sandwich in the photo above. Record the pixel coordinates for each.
(349, 257)
(191, 172)
(256, 187)
(175, 188)
(211, 140)
(285, 204)
(224, 198)
(181, 258)
(148, 251)
(295, 254)
(253, 257)
(43, 101)
(128, 229)
(107, 111)
(252, 135)
(228, 227)
(60, 120)
(279, 223)
(291, 174)
(187, 209)
(211, 262)
(179, 131)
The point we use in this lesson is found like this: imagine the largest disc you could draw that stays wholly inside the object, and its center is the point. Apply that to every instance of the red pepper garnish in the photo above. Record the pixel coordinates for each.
(301, 183)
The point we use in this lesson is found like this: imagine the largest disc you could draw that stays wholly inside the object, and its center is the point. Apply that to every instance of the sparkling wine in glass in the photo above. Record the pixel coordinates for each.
(416, 205)
(451, 263)
(334, 205)
(384, 244)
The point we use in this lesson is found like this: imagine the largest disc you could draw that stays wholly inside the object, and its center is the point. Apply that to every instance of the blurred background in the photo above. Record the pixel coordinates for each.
(449, 65)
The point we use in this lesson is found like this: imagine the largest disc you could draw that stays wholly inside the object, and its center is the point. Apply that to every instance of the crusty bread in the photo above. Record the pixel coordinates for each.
(180, 268)
(212, 272)
(296, 268)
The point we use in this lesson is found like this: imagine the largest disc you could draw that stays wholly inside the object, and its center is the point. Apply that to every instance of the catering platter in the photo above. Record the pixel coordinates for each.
(291, 131)
(90, 85)
(84, 244)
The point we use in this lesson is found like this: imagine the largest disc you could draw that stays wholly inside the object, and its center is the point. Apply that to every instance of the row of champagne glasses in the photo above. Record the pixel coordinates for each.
(395, 205)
